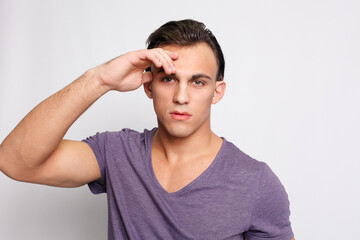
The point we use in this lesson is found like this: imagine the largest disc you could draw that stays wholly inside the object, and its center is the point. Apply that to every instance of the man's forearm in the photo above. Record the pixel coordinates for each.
(37, 136)
(39, 133)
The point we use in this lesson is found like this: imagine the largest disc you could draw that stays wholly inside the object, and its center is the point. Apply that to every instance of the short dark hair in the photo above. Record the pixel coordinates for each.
(186, 33)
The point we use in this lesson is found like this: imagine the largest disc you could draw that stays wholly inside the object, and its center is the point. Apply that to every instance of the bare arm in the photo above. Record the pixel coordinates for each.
(34, 140)
(35, 152)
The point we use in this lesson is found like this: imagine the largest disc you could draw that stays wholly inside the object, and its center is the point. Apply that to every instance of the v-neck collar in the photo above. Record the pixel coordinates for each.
(149, 140)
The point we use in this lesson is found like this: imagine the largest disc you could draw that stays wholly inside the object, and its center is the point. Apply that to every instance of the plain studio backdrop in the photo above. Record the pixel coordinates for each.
(292, 99)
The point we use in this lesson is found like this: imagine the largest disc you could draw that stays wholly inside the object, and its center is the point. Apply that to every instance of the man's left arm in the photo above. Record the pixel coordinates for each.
(271, 210)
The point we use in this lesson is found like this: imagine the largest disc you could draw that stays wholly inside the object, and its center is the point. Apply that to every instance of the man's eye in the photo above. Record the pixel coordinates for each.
(167, 79)
(198, 83)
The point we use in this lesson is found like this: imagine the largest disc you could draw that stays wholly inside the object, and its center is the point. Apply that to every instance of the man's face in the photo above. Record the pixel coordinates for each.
(182, 101)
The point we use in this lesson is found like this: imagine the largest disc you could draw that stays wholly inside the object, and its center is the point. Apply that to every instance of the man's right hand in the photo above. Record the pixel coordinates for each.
(126, 72)
(35, 150)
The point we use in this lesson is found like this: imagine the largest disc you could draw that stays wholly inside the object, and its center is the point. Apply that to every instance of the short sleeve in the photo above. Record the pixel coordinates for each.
(270, 215)
(97, 143)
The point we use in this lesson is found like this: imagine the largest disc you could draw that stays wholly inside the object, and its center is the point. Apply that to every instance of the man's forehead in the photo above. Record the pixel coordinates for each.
(194, 59)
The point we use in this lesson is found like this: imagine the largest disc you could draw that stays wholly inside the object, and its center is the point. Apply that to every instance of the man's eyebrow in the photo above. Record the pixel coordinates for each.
(160, 70)
(194, 77)
(200, 75)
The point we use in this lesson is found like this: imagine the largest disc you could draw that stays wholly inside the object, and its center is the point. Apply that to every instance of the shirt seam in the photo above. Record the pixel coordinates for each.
(257, 195)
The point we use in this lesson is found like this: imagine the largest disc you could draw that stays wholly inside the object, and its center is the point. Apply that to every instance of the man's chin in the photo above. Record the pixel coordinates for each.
(177, 131)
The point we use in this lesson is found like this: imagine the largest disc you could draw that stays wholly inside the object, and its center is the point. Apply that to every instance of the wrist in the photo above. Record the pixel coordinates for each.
(96, 79)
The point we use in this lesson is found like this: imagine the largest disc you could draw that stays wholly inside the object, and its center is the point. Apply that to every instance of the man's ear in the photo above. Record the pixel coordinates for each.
(148, 89)
(219, 91)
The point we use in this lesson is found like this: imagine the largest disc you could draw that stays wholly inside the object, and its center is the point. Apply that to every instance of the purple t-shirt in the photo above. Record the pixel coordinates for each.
(235, 197)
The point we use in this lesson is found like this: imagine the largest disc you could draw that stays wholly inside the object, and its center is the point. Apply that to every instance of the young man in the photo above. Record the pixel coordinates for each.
(176, 181)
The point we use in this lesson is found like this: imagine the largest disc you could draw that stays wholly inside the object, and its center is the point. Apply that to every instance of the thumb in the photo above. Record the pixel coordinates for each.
(147, 77)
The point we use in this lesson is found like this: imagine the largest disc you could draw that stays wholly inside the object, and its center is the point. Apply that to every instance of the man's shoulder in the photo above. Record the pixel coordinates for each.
(123, 133)
(234, 156)
(126, 138)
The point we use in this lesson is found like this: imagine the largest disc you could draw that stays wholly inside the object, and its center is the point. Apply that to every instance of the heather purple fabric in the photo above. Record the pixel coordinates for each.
(235, 197)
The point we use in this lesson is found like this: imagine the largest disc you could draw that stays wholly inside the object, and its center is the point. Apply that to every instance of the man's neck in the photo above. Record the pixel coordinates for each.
(176, 149)
(177, 161)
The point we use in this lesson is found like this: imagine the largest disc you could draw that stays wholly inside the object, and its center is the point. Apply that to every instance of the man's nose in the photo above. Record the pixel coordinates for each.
(181, 95)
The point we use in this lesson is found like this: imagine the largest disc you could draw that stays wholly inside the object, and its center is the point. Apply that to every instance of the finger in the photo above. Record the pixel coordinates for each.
(172, 55)
(146, 55)
(160, 59)
(157, 58)
(167, 62)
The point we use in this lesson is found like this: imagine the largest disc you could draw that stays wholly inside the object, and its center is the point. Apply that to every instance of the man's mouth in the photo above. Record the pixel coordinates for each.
(180, 115)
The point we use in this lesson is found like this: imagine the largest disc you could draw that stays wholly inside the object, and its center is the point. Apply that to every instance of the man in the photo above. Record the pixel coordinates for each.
(176, 181)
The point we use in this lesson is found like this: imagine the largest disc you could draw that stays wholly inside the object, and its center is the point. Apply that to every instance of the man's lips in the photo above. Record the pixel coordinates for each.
(180, 115)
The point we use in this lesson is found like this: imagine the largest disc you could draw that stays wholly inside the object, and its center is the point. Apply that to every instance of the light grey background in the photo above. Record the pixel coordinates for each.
(292, 100)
